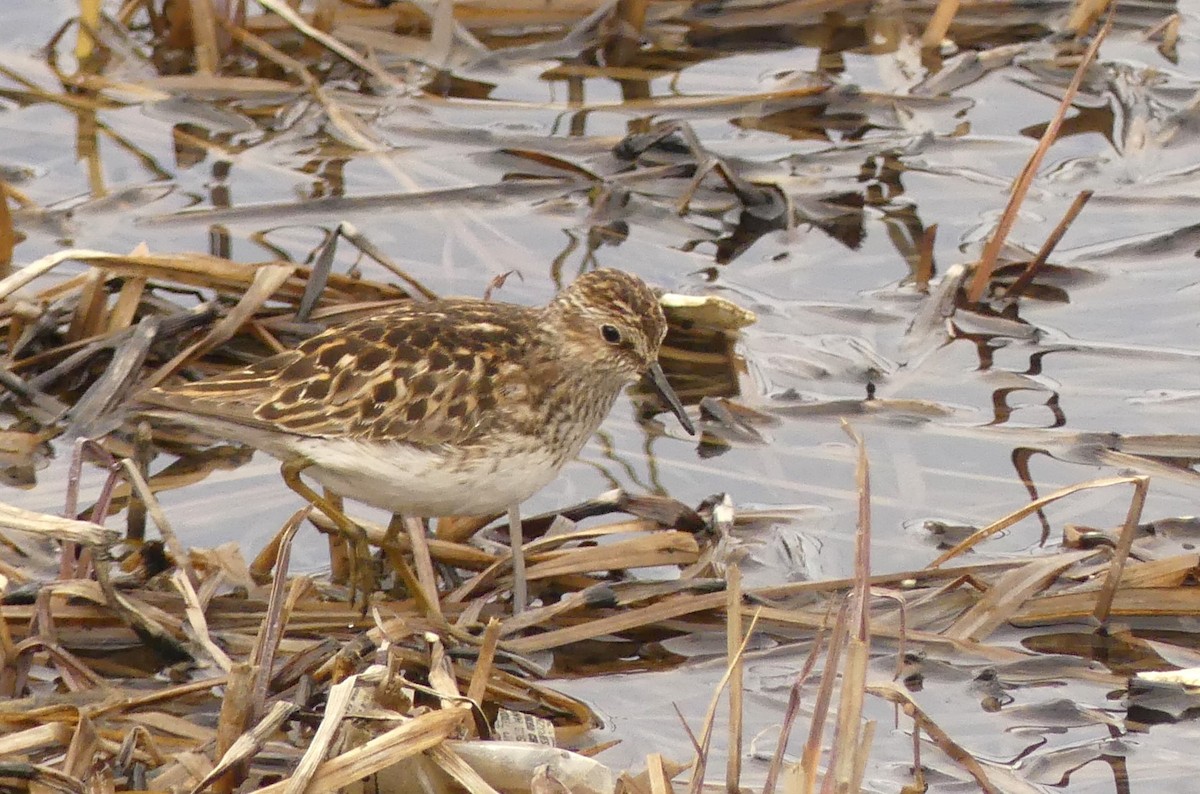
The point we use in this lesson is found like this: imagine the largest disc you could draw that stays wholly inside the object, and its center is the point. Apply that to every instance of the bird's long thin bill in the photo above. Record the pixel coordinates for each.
(659, 381)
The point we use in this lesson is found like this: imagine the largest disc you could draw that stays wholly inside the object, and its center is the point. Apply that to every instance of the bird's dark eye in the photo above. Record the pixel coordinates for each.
(610, 334)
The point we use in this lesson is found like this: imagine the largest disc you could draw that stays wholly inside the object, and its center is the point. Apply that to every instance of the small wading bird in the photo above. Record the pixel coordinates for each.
(451, 407)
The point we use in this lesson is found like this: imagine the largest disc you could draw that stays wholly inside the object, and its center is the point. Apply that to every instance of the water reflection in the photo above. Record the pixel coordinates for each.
(793, 163)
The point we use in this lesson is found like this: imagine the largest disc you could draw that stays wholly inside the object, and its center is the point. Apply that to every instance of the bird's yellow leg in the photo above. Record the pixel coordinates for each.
(362, 566)
(339, 544)
(412, 582)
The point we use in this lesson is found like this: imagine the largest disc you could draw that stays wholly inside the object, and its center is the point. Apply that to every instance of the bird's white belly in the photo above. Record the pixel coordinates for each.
(404, 479)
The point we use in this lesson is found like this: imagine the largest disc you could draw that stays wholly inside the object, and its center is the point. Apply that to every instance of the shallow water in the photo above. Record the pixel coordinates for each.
(1107, 343)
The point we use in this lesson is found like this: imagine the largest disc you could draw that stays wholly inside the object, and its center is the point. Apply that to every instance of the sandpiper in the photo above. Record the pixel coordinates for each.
(450, 407)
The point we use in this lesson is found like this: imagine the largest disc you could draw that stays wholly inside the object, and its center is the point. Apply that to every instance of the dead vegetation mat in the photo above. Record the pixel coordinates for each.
(130, 662)
(135, 664)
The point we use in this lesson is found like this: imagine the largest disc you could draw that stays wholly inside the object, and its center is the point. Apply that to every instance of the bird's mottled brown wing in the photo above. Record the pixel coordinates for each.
(411, 374)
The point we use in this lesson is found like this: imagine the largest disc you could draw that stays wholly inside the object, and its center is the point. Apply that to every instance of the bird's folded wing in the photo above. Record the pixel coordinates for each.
(406, 376)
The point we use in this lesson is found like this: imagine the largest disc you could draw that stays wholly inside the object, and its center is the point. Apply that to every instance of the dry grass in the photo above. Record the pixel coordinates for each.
(991, 251)
(128, 664)
(305, 691)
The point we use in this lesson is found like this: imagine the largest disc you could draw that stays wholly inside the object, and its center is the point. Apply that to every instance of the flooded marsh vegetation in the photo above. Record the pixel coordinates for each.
(930, 272)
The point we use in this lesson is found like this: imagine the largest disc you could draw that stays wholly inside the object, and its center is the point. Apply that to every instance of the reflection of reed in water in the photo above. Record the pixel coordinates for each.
(699, 352)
